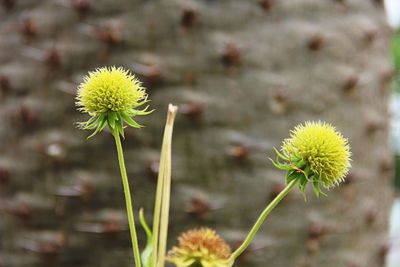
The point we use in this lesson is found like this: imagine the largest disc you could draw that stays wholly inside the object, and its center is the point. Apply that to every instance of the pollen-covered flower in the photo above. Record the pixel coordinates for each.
(200, 248)
(111, 96)
(315, 152)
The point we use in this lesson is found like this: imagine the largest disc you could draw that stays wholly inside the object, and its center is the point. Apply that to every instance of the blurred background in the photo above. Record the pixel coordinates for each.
(243, 73)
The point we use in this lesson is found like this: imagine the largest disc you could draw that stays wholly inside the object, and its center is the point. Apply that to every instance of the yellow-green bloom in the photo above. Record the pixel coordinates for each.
(111, 97)
(315, 152)
(200, 248)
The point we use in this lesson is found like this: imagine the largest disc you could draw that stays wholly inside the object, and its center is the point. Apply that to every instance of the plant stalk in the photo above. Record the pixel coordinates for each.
(128, 200)
(166, 187)
(161, 209)
(261, 219)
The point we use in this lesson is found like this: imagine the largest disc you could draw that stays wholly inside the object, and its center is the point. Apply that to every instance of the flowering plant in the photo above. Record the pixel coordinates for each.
(315, 153)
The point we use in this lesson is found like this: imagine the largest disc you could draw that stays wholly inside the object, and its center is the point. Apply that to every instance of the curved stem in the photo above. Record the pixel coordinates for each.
(128, 200)
(261, 219)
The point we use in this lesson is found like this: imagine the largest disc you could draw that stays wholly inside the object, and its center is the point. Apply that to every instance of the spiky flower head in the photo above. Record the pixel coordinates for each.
(111, 97)
(315, 152)
(200, 248)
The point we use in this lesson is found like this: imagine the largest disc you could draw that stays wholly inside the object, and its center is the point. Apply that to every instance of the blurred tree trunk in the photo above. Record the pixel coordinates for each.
(243, 73)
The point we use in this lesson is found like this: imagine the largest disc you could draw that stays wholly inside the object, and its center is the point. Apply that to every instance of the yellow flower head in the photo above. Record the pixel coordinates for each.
(200, 248)
(110, 96)
(315, 152)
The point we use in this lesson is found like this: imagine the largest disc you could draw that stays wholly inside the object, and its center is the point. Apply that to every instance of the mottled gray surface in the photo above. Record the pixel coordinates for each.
(243, 76)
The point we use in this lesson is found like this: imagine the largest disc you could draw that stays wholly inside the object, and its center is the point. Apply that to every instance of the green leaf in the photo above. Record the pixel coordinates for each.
(111, 120)
(141, 103)
(91, 123)
(101, 123)
(147, 252)
(142, 112)
(300, 164)
(130, 121)
(293, 175)
(316, 187)
(302, 186)
(280, 155)
(280, 166)
(120, 125)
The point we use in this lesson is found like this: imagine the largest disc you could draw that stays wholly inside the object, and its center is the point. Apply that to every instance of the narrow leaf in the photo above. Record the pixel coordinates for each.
(130, 121)
(316, 187)
(280, 155)
(147, 252)
(120, 125)
(100, 126)
(111, 120)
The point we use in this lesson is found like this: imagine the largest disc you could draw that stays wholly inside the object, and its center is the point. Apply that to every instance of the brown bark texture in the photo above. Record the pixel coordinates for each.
(243, 74)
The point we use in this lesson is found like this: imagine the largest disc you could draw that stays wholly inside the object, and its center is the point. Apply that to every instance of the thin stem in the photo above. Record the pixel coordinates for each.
(261, 219)
(156, 220)
(164, 213)
(128, 200)
(157, 206)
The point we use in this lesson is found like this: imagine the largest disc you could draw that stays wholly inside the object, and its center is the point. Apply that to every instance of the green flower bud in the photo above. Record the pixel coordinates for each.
(315, 152)
(111, 97)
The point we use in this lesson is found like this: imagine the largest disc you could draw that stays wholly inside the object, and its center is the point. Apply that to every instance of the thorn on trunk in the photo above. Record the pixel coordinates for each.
(231, 55)
(266, 5)
(189, 17)
(4, 86)
(82, 8)
(9, 4)
(198, 207)
(315, 42)
(29, 28)
(350, 84)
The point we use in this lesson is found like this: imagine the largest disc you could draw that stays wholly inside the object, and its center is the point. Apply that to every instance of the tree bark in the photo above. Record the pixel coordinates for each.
(243, 74)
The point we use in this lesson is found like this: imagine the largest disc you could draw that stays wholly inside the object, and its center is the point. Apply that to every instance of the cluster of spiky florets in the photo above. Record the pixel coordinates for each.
(317, 153)
(200, 247)
(111, 96)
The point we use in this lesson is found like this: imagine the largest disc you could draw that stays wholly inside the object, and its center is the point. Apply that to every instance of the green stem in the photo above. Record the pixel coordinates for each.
(128, 200)
(261, 219)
